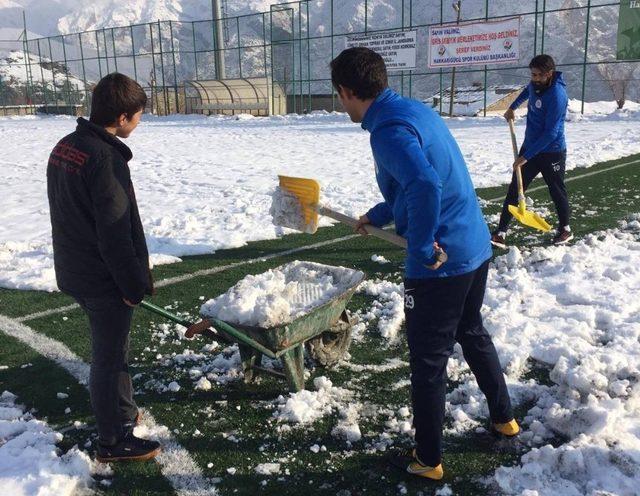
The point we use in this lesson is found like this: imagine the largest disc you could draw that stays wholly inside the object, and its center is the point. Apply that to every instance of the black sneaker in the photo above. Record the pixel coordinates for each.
(128, 449)
(498, 239)
(562, 238)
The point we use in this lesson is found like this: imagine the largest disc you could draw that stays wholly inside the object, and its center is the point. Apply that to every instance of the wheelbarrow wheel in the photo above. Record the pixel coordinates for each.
(328, 348)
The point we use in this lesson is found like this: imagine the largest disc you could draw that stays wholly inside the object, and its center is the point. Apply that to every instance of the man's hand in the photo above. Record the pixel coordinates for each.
(509, 115)
(128, 303)
(520, 161)
(441, 257)
(362, 221)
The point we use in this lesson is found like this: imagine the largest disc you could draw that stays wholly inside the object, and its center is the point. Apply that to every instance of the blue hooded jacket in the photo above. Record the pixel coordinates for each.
(426, 186)
(547, 109)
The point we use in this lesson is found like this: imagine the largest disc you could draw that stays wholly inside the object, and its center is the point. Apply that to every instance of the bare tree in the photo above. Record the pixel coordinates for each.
(618, 77)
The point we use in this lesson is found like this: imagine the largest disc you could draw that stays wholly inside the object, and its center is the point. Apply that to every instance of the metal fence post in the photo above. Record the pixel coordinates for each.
(238, 43)
(264, 43)
(484, 103)
(98, 54)
(544, 20)
(84, 73)
(164, 83)
(27, 60)
(441, 73)
(44, 83)
(333, 93)
(584, 60)
(195, 51)
(133, 53)
(53, 73)
(153, 77)
(106, 50)
(308, 59)
(535, 31)
(175, 74)
(66, 69)
(458, 8)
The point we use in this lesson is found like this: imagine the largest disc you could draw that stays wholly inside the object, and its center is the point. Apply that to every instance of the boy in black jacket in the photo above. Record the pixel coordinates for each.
(100, 253)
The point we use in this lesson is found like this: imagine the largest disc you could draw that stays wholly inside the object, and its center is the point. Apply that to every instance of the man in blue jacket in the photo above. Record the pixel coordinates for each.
(429, 195)
(544, 150)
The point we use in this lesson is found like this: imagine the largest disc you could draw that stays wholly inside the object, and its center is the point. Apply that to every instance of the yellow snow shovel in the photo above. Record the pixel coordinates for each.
(307, 191)
(520, 212)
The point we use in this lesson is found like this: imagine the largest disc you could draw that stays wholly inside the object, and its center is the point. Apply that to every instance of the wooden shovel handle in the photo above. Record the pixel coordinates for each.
(514, 141)
(514, 144)
(374, 231)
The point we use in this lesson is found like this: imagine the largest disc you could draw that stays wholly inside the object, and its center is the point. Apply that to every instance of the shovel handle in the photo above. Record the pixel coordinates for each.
(374, 231)
(514, 145)
(514, 140)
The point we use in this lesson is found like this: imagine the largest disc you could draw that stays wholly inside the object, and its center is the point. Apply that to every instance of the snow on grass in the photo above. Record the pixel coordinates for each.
(387, 308)
(214, 189)
(573, 309)
(305, 407)
(30, 463)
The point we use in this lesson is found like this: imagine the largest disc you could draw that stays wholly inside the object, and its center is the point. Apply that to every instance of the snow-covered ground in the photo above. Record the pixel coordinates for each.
(569, 309)
(30, 463)
(205, 183)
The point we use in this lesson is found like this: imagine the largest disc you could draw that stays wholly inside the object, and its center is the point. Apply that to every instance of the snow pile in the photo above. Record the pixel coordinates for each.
(387, 309)
(379, 259)
(286, 211)
(268, 469)
(305, 407)
(280, 295)
(571, 308)
(30, 464)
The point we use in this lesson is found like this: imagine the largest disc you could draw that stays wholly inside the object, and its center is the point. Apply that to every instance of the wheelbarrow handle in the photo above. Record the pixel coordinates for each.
(205, 327)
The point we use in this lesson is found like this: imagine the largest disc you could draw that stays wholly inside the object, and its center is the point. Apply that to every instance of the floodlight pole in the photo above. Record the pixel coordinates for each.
(216, 8)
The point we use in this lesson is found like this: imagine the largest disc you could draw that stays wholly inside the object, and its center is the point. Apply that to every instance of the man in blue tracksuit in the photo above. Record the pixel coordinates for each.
(429, 195)
(544, 150)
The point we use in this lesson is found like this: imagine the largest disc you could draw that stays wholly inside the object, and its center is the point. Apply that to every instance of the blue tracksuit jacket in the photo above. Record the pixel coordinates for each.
(545, 118)
(426, 186)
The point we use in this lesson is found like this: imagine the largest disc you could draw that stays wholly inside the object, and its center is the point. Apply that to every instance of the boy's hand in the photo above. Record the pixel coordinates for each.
(441, 257)
(362, 221)
(509, 115)
(128, 303)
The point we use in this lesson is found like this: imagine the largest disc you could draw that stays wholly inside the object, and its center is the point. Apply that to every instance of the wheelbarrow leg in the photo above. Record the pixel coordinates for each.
(293, 362)
(249, 358)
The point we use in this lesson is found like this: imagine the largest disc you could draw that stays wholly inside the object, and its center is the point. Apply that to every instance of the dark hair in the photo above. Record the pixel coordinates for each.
(543, 62)
(361, 70)
(114, 95)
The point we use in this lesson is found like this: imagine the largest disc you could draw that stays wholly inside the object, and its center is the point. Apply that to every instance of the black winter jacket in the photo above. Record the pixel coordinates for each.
(98, 242)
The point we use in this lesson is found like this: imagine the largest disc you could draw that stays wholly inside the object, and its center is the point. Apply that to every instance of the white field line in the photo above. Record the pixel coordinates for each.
(204, 272)
(176, 464)
(574, 178)
(186, 277)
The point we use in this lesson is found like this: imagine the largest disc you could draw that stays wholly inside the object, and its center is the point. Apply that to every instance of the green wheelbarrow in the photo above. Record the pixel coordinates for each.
(325, 331)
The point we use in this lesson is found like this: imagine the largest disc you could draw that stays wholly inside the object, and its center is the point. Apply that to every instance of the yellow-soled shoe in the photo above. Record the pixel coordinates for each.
(508, 429)
(417, 468)
(406, 459)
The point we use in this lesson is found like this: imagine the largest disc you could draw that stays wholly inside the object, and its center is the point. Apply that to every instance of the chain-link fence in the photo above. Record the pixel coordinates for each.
(293, 43)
